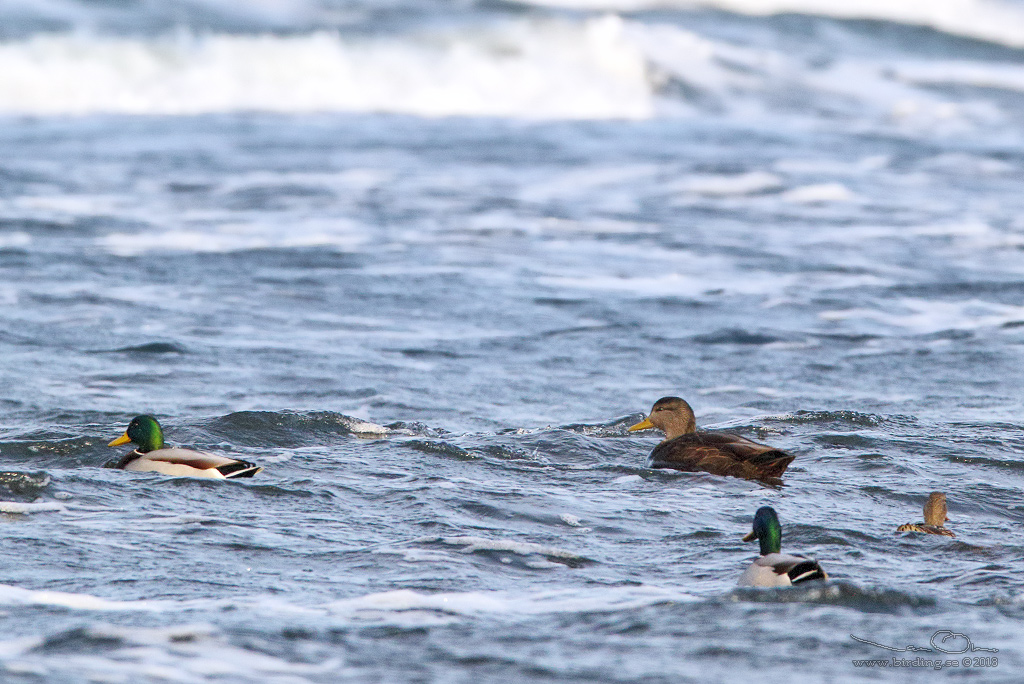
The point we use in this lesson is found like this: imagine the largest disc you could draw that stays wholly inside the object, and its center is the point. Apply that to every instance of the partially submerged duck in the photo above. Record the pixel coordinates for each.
(719, 453)
(151, 455)
(934, 517)
(773, 568)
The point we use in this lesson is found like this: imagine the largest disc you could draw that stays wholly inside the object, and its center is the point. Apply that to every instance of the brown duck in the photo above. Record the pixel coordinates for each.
(934, 517)
(719, 453)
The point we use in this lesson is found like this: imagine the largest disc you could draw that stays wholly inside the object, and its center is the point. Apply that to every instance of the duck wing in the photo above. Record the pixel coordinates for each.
(925, 529)
(189, 462)
(804, 570)
(721, 453)
(781, 570)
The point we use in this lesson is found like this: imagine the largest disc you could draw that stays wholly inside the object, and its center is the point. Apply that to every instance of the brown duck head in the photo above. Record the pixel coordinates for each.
(671, 415)
(935, 509)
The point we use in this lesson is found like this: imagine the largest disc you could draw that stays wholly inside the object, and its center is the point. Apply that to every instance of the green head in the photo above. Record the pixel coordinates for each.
(767, 530)
(144, 432)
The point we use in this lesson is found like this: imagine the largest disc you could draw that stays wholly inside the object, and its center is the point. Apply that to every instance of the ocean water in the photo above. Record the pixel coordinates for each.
(426, 261)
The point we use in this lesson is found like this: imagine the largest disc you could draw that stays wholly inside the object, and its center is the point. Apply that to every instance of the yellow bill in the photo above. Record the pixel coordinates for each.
(751, 536)
(644, 424)
(123, 439)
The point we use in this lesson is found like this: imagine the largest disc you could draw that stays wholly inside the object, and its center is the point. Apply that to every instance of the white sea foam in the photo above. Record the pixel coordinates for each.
(571, 520)
(34, 507)
(819, 193)
(473, 544)
(15, 239)
(979, 74)
(960, 163)
(10, 595)
(833, 167)
(743, 81)
(989, 20)
(599, 68)
(364, 427)
(723, 389)
(232, 237)
(597, 226)
(421, 555)
(970, 238)
(677, 284)
(926, 316)
(736, 184)
(594, 179)
(528, 69)
(509, 603)
(392, 607)
(63, 205)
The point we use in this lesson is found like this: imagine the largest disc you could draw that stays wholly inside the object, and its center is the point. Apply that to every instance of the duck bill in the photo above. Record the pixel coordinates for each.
(123, 439)
(751, 536)
(644, 424)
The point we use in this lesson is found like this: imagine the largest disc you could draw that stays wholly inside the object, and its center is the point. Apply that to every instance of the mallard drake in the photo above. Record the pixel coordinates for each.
(934, 517)
(775, 569)
(720, 453)
(151, 455)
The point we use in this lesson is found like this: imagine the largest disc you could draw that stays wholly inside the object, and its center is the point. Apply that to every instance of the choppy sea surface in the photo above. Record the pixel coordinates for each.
(426, 261)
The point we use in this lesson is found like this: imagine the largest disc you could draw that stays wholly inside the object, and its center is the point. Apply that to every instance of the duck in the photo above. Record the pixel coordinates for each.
(719, 453)
(151, 455)
(774, 568)
(934, 516)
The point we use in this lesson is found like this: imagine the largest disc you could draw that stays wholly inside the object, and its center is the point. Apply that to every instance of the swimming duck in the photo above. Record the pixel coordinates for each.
(934, 516)
(775, 569)
(719, 453)
(151, 455)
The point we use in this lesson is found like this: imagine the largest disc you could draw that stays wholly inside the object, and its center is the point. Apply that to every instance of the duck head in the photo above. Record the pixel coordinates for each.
(935, 509)
(671, 415)
(144, 432)
(767, 530)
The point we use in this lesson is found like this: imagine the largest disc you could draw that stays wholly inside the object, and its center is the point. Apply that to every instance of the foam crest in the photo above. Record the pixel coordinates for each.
(233, 237)
(474, 544)
(26, 508)
(976, 74)
(752, 82)
(703, 280)
(528, 69)
(599, 68)
(719, 185)
(924, 316)
(475, 603)
(385, 606)
(10, 595)
(989, 20)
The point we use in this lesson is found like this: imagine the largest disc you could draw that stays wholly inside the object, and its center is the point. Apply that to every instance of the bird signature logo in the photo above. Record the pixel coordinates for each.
(943, 641)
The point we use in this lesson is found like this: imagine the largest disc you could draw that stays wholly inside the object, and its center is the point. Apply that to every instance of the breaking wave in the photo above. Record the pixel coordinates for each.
(525, 69)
